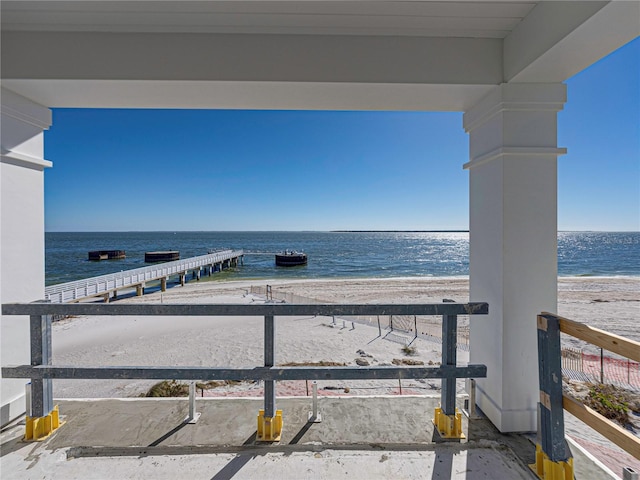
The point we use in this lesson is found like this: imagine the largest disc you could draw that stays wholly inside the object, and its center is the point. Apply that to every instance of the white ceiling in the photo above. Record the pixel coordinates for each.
(471, 19)
(338, 55)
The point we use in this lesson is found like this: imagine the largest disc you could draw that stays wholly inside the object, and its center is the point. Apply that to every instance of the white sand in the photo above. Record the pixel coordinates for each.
(612, 304)
(223, 342)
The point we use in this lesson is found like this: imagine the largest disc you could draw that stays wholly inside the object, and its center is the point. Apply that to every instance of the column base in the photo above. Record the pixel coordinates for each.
(269, 428)
(507, 420)
(547, 470)
(39, 428)
(448, 426)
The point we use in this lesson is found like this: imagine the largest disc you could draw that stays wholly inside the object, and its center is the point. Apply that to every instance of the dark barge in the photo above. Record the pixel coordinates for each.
(168, 256)
(291, 259)
(97, 255)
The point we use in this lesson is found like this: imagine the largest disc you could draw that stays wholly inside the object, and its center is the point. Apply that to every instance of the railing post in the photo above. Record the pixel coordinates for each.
(449, 357)
(553, 458)
(601, 366)
(269, 419)
(314, 416)
(43, 418)
(269, 359)
(470, 403)
(447, 418)
(193, 416)
(41, 389)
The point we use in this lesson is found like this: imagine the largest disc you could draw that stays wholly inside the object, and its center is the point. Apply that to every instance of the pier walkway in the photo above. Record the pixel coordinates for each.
(107, 286)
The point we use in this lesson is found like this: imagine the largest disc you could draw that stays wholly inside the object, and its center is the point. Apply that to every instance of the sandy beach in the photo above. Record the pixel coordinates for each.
(609, 303)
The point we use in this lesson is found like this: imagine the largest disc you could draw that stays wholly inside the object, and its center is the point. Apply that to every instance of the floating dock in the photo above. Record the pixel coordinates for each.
(168, 256)
(98, 255)
(291, 259)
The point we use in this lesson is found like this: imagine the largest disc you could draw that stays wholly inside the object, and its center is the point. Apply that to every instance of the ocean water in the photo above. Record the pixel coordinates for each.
(331, 254)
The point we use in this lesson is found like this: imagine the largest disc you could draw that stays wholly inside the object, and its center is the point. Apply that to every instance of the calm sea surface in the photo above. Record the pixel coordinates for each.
(331, 254)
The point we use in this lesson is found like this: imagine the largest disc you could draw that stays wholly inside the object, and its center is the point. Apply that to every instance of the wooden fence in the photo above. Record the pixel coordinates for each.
(554, 453)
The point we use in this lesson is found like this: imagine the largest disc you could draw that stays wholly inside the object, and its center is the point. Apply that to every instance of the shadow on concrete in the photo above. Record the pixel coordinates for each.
(522, 445)
(443, 464)
(157, 442)
(12, 436)
(234, 466)
(11, 446)
(251, 440)
(240, 460)
(305, 428)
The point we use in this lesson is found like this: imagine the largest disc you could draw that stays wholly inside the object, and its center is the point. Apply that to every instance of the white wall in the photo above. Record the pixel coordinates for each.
(21, 232)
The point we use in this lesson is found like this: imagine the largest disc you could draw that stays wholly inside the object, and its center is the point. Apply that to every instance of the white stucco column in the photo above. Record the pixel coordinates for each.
(513, 242)
(21, 231)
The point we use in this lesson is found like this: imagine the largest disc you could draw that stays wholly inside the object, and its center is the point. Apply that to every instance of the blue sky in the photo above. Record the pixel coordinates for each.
(122, 170)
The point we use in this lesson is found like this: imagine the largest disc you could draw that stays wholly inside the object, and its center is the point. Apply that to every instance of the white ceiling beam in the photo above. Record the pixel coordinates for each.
(253, 58)
(248, 95)
(559, 39)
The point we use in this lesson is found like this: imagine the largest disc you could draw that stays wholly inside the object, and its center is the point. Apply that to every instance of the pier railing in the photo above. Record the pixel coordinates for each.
(102, 285)
(42, 372)
(552, 455)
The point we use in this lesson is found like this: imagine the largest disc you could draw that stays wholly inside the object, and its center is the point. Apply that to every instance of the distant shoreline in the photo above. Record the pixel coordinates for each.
(399, 231)
(305, 231)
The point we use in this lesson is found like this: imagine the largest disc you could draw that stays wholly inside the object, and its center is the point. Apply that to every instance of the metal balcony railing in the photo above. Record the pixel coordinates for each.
(42, 372)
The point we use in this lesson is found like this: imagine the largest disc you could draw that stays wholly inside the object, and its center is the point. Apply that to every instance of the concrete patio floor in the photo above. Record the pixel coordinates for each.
(389, 437)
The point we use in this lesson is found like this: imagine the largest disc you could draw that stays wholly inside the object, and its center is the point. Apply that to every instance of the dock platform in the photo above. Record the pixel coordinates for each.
(97, 255)
(168, 256)
(107, 286)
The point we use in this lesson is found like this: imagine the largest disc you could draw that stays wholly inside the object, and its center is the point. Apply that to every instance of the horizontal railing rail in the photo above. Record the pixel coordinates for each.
(258, 310)
(552, 399)
(240, 374)
(102, 284)
(42, 372)
(600, 338)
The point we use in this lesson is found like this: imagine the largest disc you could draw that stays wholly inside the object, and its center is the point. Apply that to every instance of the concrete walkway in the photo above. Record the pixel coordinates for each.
(358, 438)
